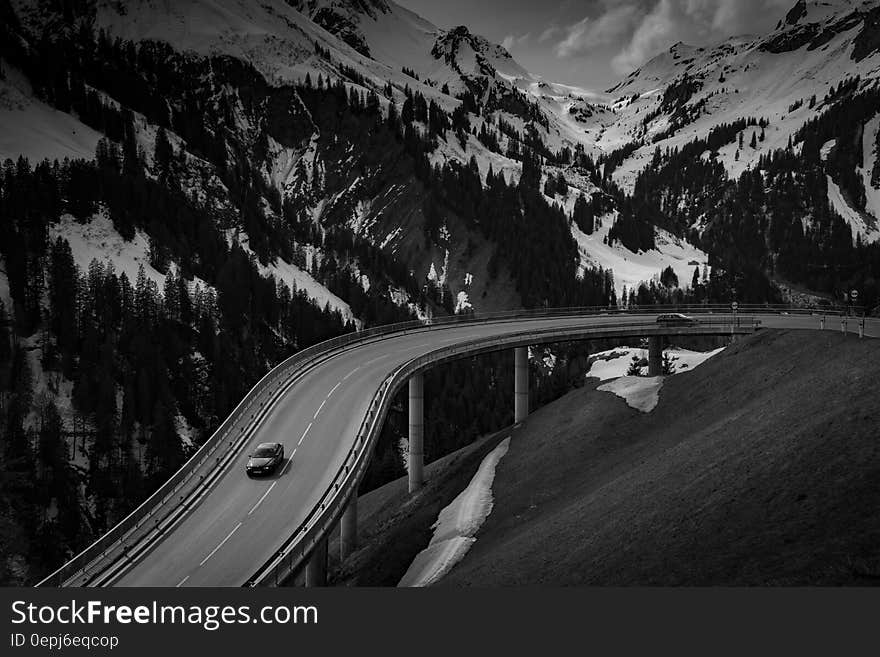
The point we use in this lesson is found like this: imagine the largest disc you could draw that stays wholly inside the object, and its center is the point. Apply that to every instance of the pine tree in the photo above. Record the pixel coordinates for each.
(635, 367)
(5, 345)
(163, 154)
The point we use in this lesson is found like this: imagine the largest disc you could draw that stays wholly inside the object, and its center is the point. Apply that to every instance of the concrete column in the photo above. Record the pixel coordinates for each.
(348, 528)
(521, 384)
(415, 463)
(822, 323)
(316, 568)
(655, 356)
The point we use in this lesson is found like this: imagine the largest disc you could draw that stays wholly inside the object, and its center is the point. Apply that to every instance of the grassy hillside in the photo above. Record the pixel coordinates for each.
(760, 467)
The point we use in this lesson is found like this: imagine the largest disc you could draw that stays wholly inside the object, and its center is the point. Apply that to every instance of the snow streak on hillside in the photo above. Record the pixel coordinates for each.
(870, 156)
(98, 240)
(295, 279)
(32, 129)
(457, 525)
(630, 268)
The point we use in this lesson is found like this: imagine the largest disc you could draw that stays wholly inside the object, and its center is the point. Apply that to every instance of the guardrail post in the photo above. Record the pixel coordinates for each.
(316, 568)
(521, 384)
(415, 462)
(348, 528)
(655, 355)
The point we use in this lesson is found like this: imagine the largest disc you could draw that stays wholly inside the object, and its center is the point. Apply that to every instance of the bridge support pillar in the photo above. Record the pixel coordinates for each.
(348, 528)
(655, 356)
(416, 460)
(316, 568)
(521, 384)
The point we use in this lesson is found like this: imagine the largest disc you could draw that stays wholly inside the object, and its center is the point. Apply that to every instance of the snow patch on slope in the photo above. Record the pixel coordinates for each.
(456, 525)
(98, 240)
(614, 363)
(852, 216)
(869, 155)
(630, 268)
(5, 297)
(33, 129)
(640, 392)
(296, 279)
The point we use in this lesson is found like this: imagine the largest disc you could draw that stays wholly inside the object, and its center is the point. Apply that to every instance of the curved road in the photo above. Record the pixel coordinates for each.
(241, 522)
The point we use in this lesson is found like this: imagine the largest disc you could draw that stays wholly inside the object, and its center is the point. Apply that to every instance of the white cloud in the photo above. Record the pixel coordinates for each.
(510, 41)
(549, 33)
(656, 31)
(647, 28)
(614, 24)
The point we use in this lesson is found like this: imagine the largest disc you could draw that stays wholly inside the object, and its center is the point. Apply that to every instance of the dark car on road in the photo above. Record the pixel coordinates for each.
(676, 319)
(266, 459)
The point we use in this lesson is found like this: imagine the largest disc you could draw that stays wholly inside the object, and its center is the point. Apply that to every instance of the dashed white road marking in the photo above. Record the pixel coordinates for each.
(260, 501)
(301, 438)
(315, 416)
(333, 389)
(376, 360)
(228, 536)
(180, 583)
(352, 372)
(289, 462)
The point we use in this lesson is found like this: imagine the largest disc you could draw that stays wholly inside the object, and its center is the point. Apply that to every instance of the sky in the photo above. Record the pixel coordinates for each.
(595, 43)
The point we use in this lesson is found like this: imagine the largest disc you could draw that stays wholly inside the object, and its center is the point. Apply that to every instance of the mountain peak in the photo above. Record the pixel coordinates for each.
(814, 11)
(796, 13)
(343, 17)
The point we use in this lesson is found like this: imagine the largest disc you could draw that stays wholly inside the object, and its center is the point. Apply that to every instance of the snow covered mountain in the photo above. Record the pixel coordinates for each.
(785, 77)
(377, 47)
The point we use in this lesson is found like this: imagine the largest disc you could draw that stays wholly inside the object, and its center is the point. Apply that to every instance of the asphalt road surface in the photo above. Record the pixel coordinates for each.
(242, 521)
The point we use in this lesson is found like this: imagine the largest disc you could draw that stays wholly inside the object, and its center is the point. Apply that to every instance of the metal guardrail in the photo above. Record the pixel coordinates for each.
(132, 529)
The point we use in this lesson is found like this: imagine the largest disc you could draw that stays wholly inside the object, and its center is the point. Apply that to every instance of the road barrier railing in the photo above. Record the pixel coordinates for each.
(228, 437)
